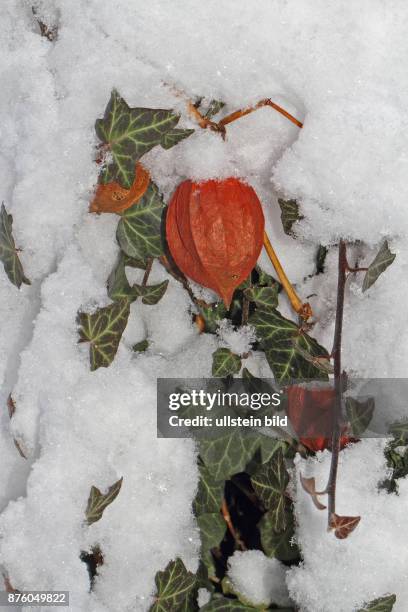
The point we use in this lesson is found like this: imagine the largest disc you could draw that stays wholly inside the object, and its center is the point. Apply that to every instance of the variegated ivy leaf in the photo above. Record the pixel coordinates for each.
(150, 294)
(139, 229)
(119, 287)
(174, 136)
(289, 214)
(97, 501)
(280, 339)
(175, 589)
(213, 108)
(400, 432)
(8, 251)
(103, 330)
(128, 134)
(264, 297)
(382, 260)
(218, 603)
(359, 414)
(209, 494)
(270, 483)
(382, 604)
(212, 314)
(225, 363)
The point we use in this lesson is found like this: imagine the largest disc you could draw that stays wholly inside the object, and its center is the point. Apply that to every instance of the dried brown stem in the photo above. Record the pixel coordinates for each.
(227, 518)
(147, 271)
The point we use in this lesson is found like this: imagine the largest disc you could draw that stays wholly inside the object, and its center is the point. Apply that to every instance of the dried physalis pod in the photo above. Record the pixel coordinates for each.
(214, 231)
(113, 198)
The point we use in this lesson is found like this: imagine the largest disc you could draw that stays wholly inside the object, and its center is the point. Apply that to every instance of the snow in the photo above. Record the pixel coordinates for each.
(239, 341)
(336, 66)
(257, 578)
(338, 578)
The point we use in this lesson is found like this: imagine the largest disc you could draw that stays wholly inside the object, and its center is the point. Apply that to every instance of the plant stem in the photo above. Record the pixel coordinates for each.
(227, 518)
(338, 381)
(147, 271)
(266, 102)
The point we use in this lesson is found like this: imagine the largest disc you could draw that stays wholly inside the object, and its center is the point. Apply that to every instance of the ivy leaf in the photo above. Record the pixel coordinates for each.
(129, 133)
(212, 530)
(214, 108)
(223, 604)
(382, 604)
(264, 297)
(289, 214)
(174, 136)
(210, 493)
(97, 501)
(400, 432)
(103, 329)
(118, 284)
(212, 314)
(150, 294)
(382, 260)
(8, 251)
(225, 363)
(321, 258)
(343, 525)
(278, 544)
(359, 414)
(269, 484)
(265, 279)
(228, 454)
(175, 589)
(140, 347)
(139, 229)
(281, 339)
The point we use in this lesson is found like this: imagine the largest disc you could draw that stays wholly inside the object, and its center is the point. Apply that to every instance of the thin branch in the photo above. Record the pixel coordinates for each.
(227, 518)
(262, 103)
(338, 381)
(147, 271)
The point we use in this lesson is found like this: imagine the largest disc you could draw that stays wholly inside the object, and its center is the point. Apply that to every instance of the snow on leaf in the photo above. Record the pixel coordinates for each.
(382, 604)
(175, 589)
(382, 260)
(359, 414)
(269, 484)
(225, 363)
(97, 501)
(130, 133)
(212, 314)
(8, 251)
(281, 338)
(174, 136)
(213, 108)
(139, 229)
(343, 525)
(228, 454)
(400, 432)
(264, 297)
(223, 604)
(103, 329)
(289, 214)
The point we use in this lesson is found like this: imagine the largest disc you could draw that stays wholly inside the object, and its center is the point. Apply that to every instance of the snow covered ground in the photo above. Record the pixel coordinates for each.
(340, 67)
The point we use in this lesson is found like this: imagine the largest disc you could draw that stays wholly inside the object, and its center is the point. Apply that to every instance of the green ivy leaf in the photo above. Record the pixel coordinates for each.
(139, 229)
(289, 214)
(382, 260)
(223, 604)
(265, 279)
(278, 544)
(118, 284)
(130, 133)
(97, 501)
(8, 251)
(103, 329)
(280, 339)
(359, 414)
(225, 363)
(174, 136)
(214, 108)
(175, 589)
(210, 493)
(140, 347)
(400, 432)
(212, 530)
(228, 454)
(264, 297)
(321, 258)
(270, 483)
(383, 604)
(150, 294)
(212, 314)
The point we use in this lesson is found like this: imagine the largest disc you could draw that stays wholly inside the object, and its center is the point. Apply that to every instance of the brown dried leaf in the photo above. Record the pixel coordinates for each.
(113, 198)
(309, 485)
(343, 525)
(11, 406)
